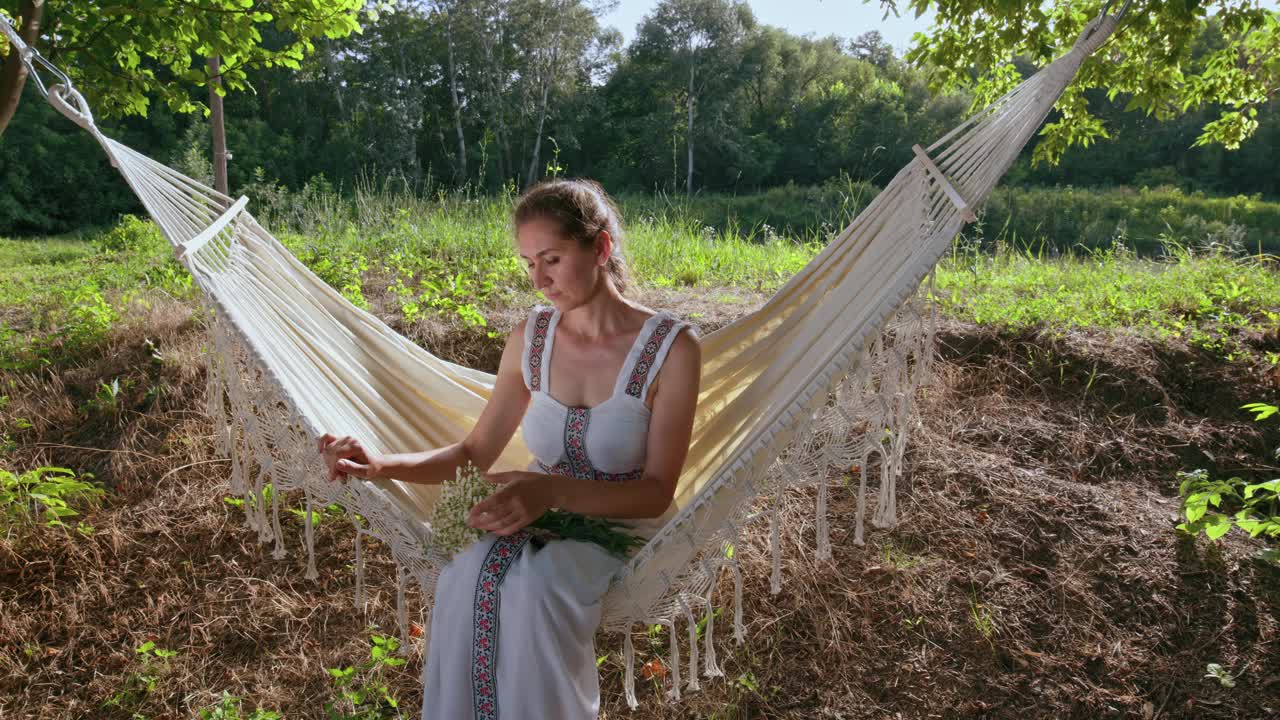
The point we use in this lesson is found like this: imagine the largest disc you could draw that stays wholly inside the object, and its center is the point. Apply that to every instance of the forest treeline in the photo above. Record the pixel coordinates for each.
(493, 94)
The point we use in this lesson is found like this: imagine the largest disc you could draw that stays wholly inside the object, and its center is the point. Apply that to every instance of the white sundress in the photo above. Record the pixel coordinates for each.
(513, 626)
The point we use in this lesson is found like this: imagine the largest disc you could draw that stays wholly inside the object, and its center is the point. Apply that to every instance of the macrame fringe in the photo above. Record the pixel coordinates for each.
(739, 630)
(862, 499)
(674, 692)
(629, 674)
(693, 645)
(279, 553)
(885, 515)
(712, 669)
(823, 530)
(402, 610)
(360, 604)
(309, 534)
(775, 543)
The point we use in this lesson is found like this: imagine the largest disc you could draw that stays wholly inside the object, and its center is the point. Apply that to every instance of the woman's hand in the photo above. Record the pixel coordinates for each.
(346, 456)
(523, 498)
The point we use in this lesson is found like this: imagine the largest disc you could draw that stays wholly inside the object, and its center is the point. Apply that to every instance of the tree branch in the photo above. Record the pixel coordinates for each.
(14, 76)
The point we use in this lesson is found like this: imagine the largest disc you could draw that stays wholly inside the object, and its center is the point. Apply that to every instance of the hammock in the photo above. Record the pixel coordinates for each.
(815, 385)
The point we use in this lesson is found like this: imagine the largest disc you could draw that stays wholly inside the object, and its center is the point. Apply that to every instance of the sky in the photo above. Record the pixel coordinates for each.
(846, 18)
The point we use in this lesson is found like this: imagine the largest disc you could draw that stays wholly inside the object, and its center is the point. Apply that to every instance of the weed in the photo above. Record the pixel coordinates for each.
(143, 681)
(45, 495)
(228, 708)
(983, 619)
(362, 692)
(899, 557)
(1217, 672)
(1213, 506)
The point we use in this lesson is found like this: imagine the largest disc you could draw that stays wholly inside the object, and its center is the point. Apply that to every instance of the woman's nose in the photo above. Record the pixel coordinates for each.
(539, 278)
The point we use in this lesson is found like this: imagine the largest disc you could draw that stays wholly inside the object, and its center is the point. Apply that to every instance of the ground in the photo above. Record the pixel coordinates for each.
(1035, 571)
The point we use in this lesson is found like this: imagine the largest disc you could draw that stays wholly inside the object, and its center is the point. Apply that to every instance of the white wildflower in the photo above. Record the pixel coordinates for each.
(449, 528)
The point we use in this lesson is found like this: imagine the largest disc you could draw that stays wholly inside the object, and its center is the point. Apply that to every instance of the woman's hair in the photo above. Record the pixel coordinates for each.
(581, 209)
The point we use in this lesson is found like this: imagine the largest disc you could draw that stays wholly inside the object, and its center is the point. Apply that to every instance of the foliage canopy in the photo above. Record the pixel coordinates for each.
(1158, 60)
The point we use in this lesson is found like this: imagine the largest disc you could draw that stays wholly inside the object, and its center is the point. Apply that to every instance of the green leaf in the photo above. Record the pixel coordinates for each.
(1219, 673)
(1261, 411)
(1271, 486)
(1216, 526)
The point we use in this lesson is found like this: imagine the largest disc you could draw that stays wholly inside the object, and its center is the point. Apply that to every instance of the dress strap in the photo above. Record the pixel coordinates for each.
(645, 364)
(536, 341)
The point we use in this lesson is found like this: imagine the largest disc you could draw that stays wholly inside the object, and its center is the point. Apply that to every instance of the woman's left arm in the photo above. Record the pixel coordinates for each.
(526, 495)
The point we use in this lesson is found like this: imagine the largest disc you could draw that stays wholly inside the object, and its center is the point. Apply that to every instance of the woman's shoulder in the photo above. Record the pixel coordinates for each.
(520, 327)
(678, 322)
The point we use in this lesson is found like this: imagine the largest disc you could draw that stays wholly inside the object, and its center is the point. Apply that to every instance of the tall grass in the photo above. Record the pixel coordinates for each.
(1209, 297)
(453, 255)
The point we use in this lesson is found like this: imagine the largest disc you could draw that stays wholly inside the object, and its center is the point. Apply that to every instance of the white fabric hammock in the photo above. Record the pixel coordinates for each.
(821, 378)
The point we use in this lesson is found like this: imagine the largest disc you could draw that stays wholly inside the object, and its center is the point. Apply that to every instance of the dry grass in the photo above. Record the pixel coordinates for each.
(1035, 572)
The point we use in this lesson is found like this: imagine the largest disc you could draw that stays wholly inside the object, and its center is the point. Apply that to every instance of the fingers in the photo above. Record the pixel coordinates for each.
(345, 447)
(495, 512)
(343, 456)
(481, 514)
(354, 468)
(494, 522)
(511, 528)
(502, 478)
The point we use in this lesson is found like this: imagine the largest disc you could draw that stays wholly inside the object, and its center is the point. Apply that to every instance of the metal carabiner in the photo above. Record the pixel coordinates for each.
(31, 58)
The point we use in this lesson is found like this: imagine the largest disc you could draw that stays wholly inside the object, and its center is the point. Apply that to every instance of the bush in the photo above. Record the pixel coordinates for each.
(131, 234)
(1213, 507)
(45, 495)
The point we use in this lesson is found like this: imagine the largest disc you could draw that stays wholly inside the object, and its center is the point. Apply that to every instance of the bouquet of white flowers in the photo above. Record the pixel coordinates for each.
(451, 533)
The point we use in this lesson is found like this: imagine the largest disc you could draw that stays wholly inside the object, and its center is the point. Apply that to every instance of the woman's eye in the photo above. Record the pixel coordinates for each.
(552, 261)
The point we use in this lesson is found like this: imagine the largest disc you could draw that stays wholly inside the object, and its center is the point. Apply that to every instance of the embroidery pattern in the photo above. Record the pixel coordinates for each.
(484, 650)
(575, 442)
(536, 346)
(635, 384)
(564, 468)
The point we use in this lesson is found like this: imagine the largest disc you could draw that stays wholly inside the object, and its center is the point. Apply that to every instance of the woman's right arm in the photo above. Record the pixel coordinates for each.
(482, 446)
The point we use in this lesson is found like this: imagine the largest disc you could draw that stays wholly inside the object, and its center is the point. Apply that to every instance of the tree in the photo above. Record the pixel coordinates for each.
(870, 46)
(123, 55)
(1151, 60)
(561, 36)
(702, 40)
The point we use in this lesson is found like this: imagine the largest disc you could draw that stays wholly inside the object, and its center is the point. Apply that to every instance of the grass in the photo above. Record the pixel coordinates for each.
(60, 297)
(452, 257)
(1211, 299)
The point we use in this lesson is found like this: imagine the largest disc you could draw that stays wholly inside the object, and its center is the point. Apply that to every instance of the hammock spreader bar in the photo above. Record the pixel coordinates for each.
(213, 230)
(954, 195)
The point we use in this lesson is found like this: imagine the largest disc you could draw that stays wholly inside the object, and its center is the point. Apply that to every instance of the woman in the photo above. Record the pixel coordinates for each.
(606, 390)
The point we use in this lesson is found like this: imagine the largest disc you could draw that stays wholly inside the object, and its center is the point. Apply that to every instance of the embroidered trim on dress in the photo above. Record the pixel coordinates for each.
(484, 650)
(578, 464)
(635, 384)
(536, 345)
(564, 468)
(575, 441)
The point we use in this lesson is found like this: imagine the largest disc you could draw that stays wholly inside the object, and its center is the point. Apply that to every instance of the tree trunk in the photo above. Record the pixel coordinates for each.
(460, 175)
(220, 154)
(14, 77)
(537, 140)
(688, 183)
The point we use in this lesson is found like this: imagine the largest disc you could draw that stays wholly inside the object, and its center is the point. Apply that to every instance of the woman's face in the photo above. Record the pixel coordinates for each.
(562, 270)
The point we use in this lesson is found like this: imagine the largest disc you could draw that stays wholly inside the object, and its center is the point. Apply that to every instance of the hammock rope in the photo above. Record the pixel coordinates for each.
(811, 389)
